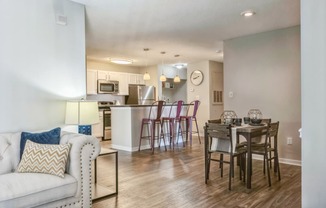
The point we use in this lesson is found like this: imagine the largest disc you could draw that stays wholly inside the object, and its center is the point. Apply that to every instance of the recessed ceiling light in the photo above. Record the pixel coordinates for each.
(121, 61)
(248, 13)
(180, 65)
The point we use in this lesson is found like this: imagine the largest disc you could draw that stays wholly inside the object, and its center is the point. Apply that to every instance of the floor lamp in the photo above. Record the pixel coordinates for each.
(83, 113)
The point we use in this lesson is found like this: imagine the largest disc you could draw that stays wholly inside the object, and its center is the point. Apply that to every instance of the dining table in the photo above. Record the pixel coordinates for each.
(248, 132)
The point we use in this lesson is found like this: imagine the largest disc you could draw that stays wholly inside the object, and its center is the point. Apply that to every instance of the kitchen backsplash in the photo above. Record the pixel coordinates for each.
(107, 97)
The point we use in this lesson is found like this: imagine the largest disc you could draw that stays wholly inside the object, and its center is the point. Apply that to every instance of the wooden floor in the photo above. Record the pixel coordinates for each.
(176, 179)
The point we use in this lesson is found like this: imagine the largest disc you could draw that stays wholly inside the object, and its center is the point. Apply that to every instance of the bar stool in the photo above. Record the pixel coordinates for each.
(171, 122)
(189, 120)
(151, 124)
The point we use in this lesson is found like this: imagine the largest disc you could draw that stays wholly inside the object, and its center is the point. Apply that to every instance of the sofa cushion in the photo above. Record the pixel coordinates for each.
(33, 189)
(49, 137)
(9, 149)
(44, 158)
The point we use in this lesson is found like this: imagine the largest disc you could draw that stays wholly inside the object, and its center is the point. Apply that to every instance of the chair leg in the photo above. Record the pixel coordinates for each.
(221, 164)
(141, 135)
(208, 166)
(244, 167)
(268, 172)
(278, 165)
(197, 130)
(230, 172)
(264, 164)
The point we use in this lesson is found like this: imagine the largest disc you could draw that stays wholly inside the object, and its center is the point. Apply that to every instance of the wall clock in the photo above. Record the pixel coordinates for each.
(196, 77)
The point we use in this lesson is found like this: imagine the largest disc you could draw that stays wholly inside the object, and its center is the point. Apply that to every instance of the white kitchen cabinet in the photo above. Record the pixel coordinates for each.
(136, 79)
(103, 75)
(91, 82)
(123, 79)
(97, 129)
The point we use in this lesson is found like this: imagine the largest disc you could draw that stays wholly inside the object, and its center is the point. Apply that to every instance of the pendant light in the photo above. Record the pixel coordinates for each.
(162, 77)
(177, 78)
(146, 75)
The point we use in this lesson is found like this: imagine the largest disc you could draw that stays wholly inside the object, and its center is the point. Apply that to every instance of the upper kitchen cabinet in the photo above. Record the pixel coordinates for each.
(91, 82)
(136, 79)
(103, 75)
(107, 75)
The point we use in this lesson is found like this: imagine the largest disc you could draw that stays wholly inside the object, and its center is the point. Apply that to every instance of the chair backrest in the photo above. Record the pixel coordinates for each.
(266, 121)
(179, 108)
(273, 129)
(194, 105)
(160, 104)
(218, 121)
(260, 135)
(218, 137)
(177, 104)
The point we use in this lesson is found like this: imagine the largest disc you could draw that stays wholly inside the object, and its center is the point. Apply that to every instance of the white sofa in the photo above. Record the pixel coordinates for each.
(45, 190)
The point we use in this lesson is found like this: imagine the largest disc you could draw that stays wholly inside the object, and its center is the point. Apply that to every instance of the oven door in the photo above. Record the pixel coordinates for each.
(107, 124)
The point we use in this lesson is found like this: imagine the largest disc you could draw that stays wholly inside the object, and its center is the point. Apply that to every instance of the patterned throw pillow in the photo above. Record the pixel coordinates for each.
(49, 137)
(44, 158)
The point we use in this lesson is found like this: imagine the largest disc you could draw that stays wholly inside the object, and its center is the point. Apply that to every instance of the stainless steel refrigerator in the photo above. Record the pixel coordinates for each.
(141, 94)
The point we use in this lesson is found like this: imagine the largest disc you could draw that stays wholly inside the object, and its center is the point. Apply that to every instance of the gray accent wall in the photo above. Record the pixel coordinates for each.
(313, 56)
(263, 71)
(42, 64)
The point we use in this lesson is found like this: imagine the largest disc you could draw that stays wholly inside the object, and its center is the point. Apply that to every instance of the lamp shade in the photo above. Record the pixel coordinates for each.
(82, 112)
(176, 78)
(147, 76)
(162, 78)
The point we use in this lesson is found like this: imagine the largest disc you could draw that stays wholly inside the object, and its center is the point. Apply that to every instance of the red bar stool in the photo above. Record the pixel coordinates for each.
(171, 122)
(189, 120)
(151, 124)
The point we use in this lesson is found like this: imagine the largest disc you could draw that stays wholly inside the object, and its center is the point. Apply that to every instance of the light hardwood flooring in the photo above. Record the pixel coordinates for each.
(175, 179)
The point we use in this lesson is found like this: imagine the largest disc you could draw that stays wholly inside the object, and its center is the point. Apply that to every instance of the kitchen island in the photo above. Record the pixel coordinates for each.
(126, 123)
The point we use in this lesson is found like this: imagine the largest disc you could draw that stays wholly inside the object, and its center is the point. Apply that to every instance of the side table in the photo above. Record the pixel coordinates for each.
(101, 188)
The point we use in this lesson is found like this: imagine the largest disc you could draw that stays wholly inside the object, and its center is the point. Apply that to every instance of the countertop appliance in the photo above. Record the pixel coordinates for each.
(107, 86)
(141, 94)
(105, 108)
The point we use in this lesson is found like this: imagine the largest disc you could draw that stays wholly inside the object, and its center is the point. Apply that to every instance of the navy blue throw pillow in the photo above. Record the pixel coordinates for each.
(49, 137)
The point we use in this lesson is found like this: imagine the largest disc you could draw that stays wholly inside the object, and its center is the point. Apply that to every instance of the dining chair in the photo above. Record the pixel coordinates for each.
(172, 123)
(218, 139)
(271, 149)
(189, 119)
(152, 122)
(264, 148)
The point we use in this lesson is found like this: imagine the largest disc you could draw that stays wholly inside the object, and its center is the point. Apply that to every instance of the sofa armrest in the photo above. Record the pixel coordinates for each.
(83, 150)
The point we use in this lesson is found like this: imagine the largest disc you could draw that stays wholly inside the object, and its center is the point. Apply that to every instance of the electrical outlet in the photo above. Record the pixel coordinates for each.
(289, 140)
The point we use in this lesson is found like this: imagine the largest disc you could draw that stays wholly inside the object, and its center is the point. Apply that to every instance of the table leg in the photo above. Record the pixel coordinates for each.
(249, 162)
(116, 173)
(95, 170)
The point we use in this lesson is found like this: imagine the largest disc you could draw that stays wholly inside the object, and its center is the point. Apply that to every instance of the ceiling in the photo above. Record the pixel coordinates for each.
(194, 29)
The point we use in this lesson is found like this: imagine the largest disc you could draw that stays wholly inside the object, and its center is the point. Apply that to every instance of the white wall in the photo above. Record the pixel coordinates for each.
(42, 64)
(263, 71)
(200, 92)
(313, 41)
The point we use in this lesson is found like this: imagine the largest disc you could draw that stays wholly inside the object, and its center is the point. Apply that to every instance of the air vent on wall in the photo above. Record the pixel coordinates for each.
(217, 97)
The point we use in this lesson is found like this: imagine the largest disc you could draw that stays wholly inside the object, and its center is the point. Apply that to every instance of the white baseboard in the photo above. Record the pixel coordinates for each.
(282, 160)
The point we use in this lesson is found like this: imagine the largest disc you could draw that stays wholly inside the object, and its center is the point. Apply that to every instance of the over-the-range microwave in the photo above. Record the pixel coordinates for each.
(107, 86)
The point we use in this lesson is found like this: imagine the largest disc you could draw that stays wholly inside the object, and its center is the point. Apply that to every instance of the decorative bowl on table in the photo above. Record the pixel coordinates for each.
(255, 121)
